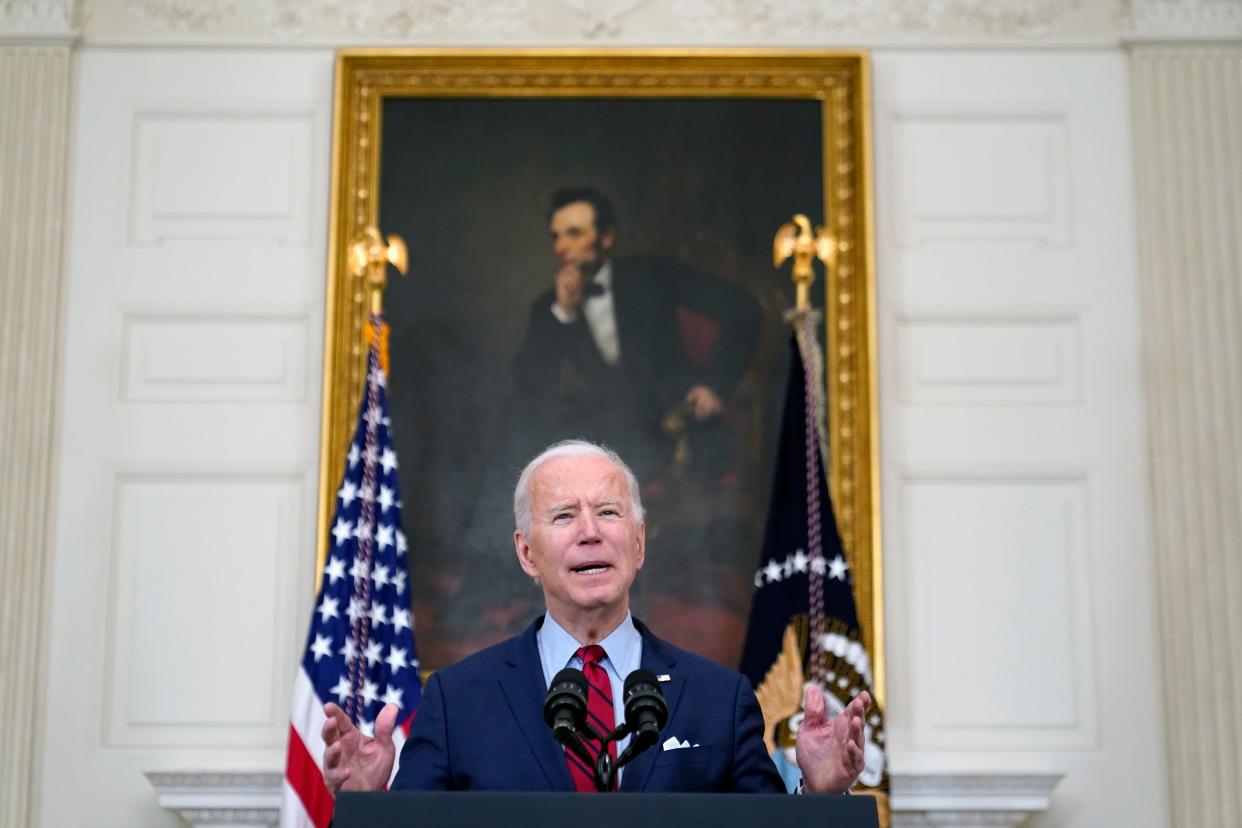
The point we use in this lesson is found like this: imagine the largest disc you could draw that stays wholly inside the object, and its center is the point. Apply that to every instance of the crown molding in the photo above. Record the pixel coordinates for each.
(758, 23)
(634, 22)
(1183, 20)
(603, 22)
(38, 21)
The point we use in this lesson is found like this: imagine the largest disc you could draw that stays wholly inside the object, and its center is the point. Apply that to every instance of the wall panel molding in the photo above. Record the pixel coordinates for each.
(213, 358)
(1023, 648)
(200, 666)
(981, 175)
(1187, 110)
(989, 359)
(181, 159)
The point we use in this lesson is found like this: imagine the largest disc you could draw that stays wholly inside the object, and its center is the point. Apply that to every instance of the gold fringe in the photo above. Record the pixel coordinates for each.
(780, 692)
(368, 336)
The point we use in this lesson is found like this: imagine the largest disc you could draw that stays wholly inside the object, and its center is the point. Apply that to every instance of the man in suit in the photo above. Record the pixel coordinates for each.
(618, 344)
(580, 535)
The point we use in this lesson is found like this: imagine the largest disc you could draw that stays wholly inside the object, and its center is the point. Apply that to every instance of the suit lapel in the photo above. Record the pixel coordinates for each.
(659, 660)
(523, 687)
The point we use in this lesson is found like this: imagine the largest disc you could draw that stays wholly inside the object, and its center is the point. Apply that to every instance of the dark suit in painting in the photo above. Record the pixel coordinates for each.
(677, 327)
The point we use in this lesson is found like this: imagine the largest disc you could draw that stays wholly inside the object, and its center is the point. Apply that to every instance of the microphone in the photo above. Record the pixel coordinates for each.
(565, 709)
(646, 713)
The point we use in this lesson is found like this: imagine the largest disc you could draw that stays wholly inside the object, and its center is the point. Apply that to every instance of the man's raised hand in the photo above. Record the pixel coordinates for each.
(830, 753)
(351, 761)
(703, 402)
(570, 285)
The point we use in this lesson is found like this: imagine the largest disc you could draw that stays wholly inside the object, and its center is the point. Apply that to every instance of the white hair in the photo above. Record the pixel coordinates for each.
(570, 448)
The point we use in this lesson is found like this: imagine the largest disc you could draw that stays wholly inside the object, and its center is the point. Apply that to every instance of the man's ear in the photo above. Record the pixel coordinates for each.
(606, 240)
(642, 546)
(525, 559)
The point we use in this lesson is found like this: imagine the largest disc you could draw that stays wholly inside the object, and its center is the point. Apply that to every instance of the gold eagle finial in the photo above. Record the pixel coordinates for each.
(369, 257)
(794, 238)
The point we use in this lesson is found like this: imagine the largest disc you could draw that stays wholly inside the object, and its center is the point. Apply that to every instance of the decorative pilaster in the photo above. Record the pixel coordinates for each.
(1187, 109)
(35, 48)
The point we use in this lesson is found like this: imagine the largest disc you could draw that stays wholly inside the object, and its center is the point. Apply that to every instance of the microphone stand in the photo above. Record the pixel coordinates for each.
(565, 712)
(605, 768)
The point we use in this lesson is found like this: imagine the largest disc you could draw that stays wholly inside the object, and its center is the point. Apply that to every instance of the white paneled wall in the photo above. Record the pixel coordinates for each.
(185, 533)
(1019, 587)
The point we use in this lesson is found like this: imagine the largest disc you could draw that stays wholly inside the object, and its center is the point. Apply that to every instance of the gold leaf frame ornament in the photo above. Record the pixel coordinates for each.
(836, 81)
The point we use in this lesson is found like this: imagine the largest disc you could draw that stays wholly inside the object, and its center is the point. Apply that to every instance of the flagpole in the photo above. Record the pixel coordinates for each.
(368, 258)
(803, 585)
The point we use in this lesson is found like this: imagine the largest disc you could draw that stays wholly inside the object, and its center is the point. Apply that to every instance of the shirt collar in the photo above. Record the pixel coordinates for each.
(603, 276)
(557, 647)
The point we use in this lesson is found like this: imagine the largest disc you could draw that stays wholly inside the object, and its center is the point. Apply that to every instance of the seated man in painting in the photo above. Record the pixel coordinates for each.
(630, 350)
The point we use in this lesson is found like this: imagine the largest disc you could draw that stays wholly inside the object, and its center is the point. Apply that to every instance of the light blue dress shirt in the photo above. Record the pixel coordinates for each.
(623, 654)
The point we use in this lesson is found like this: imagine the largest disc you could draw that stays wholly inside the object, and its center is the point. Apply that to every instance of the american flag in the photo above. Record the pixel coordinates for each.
(360, 649)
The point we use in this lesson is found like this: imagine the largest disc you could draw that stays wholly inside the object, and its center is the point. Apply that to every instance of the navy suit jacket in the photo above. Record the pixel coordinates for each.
(480, 727)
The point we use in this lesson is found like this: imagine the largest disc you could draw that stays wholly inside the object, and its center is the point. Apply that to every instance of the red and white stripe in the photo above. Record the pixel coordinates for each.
(307, 802)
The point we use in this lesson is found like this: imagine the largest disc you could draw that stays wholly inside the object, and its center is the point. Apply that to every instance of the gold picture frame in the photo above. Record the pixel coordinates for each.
(835, 83)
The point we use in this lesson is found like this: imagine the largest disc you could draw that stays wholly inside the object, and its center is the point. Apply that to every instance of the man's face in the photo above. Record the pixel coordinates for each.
(575, 240)
(584, 544)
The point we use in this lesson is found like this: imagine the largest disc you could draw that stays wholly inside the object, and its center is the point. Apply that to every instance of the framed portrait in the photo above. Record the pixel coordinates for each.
(685, 163)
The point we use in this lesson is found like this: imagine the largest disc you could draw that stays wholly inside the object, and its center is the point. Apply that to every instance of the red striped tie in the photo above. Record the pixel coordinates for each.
(599, 716)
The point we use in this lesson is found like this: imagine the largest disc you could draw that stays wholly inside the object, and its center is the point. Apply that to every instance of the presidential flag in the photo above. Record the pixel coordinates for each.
(360, 648)
(803, 624)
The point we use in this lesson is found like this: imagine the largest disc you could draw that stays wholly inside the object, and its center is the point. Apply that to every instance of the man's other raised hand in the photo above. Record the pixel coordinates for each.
(352, 761)
(830, 752)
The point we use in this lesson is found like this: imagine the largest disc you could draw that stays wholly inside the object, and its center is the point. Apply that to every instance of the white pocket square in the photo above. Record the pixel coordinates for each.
(671, 743)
